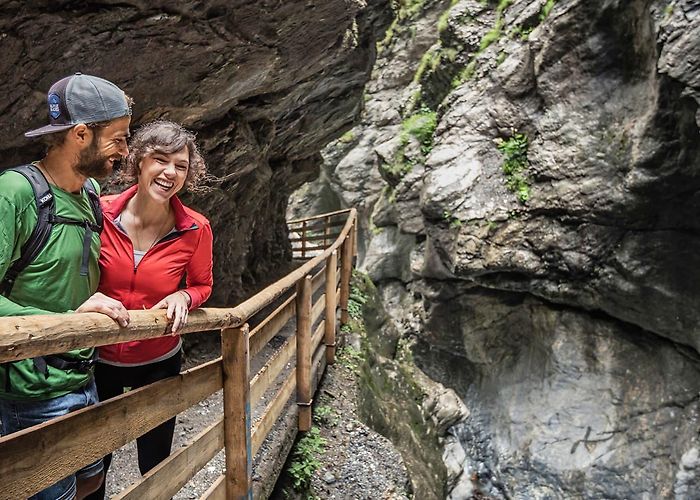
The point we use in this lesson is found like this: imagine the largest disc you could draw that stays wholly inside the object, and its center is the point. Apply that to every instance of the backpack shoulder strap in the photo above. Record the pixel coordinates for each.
(45, 210)
(95, 204)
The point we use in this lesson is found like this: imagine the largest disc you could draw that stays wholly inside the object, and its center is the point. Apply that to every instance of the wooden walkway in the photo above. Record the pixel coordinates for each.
(305, 303)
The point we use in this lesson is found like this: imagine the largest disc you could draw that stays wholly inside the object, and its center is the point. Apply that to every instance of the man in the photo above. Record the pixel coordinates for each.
(86, 136)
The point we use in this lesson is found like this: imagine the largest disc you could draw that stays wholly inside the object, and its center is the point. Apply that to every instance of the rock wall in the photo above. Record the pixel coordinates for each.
(528, 176)
(264, 84)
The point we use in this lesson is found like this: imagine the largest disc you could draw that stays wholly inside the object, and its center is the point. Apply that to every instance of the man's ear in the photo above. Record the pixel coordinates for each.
(81, 135)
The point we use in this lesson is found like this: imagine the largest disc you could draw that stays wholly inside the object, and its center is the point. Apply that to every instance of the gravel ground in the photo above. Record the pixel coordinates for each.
(124, 469)
(356, 462)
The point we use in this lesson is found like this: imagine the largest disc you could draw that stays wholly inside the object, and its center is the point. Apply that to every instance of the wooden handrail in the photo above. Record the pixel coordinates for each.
(23, 337)
(323, 237)
(79, 438)
(180, 467)
(320, 216)
(101, 429)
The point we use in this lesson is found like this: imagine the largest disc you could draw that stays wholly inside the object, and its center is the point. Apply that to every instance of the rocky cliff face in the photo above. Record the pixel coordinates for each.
(265, 85)
(528, 173)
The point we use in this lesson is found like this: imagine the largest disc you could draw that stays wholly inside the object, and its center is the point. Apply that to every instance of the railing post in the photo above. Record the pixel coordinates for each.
(237, 443)
(303, 240)
(326, 232)
(345, 273)
(354, 238)
(304, 352)
(329, 333)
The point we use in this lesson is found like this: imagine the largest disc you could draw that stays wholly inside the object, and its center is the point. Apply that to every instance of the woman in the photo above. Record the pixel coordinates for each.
(149, 243)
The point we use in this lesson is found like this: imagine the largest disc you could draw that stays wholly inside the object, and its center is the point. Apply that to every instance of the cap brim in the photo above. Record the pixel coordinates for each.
(47, 129)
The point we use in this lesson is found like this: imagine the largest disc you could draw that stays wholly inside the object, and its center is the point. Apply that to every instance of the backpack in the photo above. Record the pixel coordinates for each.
(46, 219)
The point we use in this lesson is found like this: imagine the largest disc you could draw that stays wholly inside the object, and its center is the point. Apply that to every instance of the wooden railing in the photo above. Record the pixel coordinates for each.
(32, 459)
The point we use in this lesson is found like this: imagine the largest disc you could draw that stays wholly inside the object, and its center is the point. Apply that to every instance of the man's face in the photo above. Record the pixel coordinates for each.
(107, 148)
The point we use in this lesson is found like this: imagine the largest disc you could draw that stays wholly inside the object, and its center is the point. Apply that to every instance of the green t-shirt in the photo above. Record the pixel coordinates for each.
(50, 284)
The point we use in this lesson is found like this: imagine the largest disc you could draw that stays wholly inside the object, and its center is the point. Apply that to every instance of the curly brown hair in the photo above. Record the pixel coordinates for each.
(165, 137)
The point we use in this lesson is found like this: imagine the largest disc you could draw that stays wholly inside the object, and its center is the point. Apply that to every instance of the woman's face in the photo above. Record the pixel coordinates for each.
(162, 174)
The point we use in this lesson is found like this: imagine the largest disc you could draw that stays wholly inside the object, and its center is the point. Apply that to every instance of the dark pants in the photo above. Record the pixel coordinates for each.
(154, 446)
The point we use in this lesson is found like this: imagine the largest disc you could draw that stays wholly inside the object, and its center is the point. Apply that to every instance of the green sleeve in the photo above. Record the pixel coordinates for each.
(10, 234)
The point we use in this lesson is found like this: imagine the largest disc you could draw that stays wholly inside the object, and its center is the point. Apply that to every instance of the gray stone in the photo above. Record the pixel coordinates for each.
(567, 323)
(265, 85)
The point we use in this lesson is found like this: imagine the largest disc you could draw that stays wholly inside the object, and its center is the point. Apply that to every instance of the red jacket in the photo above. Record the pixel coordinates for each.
(187, 252)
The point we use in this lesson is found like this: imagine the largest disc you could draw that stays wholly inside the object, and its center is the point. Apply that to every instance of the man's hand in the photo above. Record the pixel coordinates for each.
(178, 308)
(100, 303)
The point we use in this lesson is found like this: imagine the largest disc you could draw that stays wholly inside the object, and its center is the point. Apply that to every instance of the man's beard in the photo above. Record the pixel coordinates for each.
(92, 164)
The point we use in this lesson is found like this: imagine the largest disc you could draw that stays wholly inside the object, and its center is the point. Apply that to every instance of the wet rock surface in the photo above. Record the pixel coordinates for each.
(554, 294)
(356, 462)
(264, 84)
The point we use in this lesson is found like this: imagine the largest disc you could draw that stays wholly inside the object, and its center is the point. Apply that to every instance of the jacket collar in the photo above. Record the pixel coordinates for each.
(183, 220)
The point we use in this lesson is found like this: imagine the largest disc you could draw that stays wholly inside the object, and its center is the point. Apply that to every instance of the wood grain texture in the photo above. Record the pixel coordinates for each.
(270, 326)
(273, 410)
(23, 337)
(329, 333)
(169, 476)
(304, 352)
(217, 491)
(268, 373)
(236, 368)
(35, 458)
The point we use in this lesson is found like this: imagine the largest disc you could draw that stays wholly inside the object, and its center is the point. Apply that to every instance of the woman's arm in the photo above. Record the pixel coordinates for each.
(200, 269)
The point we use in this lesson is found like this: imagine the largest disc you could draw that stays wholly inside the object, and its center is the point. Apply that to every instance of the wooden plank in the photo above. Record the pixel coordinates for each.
(236, 368)
(270, 326)
(273, 411)
(268, 373)
(303, 239)
(32, 459)
(324, 237)
(317, 224)
(329, 333)
(317, 280)
(217, 491)
(168, 477)
(354, 238)
(345, 274)
(318, 308)
(23, 337)
(261, 299)
(321, 216)
(327, 232)
(318, 335)
(304, 353)
(318, 367)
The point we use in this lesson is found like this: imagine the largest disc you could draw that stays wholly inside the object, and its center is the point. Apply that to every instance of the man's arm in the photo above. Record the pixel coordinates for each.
(9, 240)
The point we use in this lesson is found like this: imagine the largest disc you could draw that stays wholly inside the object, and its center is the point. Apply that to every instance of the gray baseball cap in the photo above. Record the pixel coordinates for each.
(82, 99)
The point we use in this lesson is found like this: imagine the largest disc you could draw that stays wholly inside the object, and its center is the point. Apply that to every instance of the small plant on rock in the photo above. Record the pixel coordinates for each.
(515, 164)
(350, 358)
(324, 415)
(420, 125)
(452, 220)
(356, 301)
(305, 461)
(546, 9)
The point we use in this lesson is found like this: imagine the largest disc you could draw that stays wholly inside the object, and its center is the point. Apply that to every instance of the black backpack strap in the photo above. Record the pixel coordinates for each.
(46, 210)
(42, 363)
(90, 228)
(95, 204)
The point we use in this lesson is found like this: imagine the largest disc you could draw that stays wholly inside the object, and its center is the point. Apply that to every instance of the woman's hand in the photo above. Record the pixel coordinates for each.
(177, 305)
